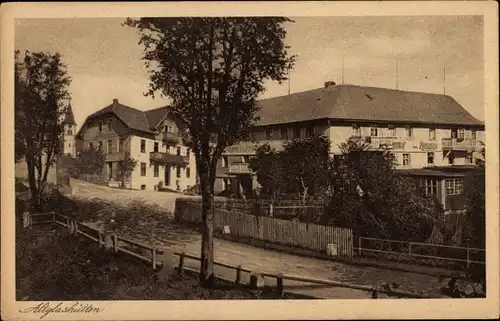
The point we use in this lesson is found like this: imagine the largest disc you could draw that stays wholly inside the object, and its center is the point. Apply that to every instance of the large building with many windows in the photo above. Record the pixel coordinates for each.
(153, 138)
(431, 135)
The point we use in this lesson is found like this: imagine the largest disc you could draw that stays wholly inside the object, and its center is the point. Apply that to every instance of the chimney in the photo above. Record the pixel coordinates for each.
(115, 101)
(329, 84)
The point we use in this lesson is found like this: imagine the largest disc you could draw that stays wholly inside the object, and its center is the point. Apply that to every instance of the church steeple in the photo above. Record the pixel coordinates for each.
(69, 118)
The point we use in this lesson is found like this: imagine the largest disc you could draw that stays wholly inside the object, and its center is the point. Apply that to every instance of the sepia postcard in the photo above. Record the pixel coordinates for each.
(249, 160)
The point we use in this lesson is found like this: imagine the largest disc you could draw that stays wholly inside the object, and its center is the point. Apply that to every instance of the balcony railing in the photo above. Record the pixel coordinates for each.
(171, 138)
(459, 144)
(114, 157)
(239, 168)
(167, 158)
(376, 142)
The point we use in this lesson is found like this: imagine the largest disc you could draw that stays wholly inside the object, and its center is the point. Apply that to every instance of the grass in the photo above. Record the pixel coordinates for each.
(52, 265)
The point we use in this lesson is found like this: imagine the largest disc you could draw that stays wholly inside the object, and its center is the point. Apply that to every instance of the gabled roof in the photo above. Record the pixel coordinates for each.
(350, 102)
(144, 121)
(69, 118)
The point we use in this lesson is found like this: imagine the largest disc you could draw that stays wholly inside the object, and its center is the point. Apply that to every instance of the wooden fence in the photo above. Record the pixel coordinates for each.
(374, 290)
(113, 242)
(273, 230)
(416, 250)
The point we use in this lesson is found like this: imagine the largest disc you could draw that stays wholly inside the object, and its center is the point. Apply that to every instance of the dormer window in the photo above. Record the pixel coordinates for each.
(100, 127)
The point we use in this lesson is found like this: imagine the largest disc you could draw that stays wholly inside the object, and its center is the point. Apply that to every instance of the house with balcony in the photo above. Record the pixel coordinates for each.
(431, 135)
(153, 138)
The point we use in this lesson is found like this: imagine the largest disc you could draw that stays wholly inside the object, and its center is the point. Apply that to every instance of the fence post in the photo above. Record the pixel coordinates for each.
(374, 292)
(359, 245)
(153, 257)
(238, 275)
(271, 210)
(279, 286)
(115, 243)
(181, 263)
(468, 258)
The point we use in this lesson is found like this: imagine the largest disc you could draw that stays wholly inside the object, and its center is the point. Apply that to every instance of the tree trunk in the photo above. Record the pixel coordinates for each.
(207, 247)
(35, 200)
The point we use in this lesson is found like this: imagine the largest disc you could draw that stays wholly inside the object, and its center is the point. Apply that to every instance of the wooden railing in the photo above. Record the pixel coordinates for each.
(110, 242)
(459, 144)
(417, 250)
(375, 290)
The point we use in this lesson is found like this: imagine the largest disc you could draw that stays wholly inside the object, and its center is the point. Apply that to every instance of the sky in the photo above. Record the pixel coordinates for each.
(432, 54)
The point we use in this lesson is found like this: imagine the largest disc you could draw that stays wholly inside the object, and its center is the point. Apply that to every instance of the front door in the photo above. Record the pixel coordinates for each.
(167, 175)
(110, 171)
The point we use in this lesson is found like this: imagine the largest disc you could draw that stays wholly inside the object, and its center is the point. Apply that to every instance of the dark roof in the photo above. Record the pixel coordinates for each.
(155, 116)
(144, 121)
(69, 118)
(350, 102)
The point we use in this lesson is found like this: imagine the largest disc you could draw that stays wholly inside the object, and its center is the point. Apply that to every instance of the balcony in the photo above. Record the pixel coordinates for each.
(239, 168)
(459, 144)
(167, 158)
(114, 157)
(171, 138)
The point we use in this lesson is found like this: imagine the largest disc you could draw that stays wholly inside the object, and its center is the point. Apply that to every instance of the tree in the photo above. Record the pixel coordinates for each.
(475, 199)
(41, 84)
(307, 164)
(213, 70)
(90, 161)
(370, 197)
(125, 167)
(302, 166)
(270, 171)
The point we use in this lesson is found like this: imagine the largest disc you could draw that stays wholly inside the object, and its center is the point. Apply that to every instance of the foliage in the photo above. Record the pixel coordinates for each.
(270, 171)
(41, 84)
(370, 197)
(302, 167)
(213, 69)
(125, 167)
(475, 198)
(90, 161)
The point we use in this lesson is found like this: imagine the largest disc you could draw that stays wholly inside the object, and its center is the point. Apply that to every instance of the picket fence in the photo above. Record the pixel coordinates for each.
(273, 230)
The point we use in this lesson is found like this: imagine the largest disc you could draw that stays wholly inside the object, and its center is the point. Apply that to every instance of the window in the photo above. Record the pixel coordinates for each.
(473, 134)
(143, 169)
(100, 145)
(70, 132)
(430, 158)
(461, 133)
(284, 132)
(453, 133)
(188, 153)
(469, 159)
(310, 130)
(91, 145)
(143, 146)
(156, 169)
(406, 159)
(100, 127)
(269, 133)
(169, 129)
(430, 186)
(178, 150)
(356, 130)
(296, 132)
(155, 148)
(245, 159)
(391, 131)
(432, 133)
(178, 172)
(110, 146)
(453, 186)
(374, 131)
(109, 123)
(224, 161)
(451, 159)
(188, 172)
(409, 131)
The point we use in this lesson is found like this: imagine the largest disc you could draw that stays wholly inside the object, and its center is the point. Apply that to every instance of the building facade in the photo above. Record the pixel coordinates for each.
(432, 136)
(153, 138)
